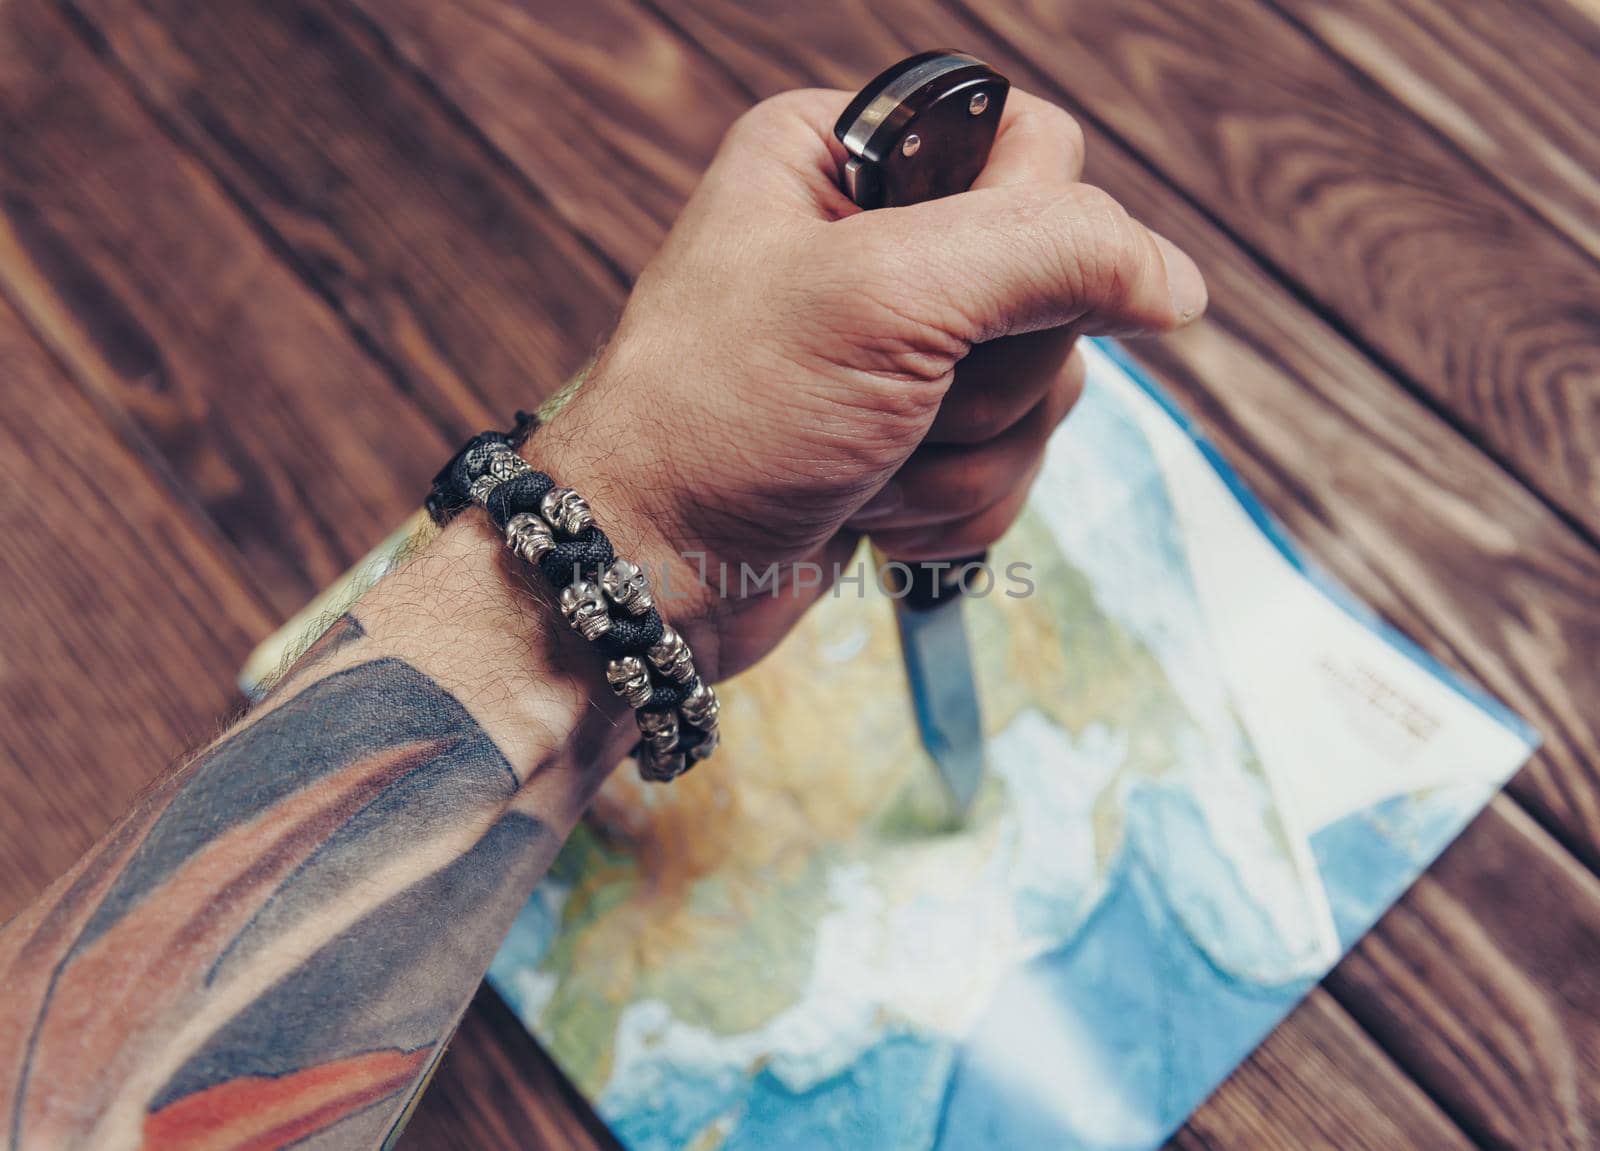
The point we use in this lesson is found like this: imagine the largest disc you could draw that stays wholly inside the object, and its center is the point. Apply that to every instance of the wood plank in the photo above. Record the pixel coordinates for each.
(1484, 309)
(161, 298)
(1319, 1081)
(465, 284)
(121, 627)
(612, 118)
(1399, 506)
(1510, 85)
(496, 1090)
(1523, 1069)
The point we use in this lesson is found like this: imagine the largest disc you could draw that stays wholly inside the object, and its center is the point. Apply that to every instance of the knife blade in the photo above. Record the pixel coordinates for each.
(944, 692)
(920, 130)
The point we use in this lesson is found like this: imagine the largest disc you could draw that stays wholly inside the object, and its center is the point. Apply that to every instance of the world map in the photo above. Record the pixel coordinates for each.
(1208, 772)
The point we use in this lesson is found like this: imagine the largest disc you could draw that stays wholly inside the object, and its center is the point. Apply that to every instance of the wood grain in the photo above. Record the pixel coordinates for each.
(1480, 305)
(1509, 85)
(1319, 1081)
(159, 296)
(462, 282)
(1493, 1012)
(120, 627)
(1401, 507)
(610, 116)
(497, 1090)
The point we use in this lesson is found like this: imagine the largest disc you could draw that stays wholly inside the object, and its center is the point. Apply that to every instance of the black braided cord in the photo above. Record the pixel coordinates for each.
(575, 557)
(451, 492)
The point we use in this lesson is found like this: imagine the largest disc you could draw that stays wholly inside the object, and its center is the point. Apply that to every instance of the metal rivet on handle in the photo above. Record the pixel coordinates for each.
(909, 146)
(978, 103)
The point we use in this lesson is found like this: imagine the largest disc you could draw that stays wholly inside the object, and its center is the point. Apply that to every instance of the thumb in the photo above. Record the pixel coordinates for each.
(1003, 260)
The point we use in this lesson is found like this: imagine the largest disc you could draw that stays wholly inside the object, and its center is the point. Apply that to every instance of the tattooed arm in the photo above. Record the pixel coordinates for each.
(273, 946)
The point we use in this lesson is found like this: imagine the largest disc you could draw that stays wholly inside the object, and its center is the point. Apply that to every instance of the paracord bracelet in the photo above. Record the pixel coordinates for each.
(647, 663)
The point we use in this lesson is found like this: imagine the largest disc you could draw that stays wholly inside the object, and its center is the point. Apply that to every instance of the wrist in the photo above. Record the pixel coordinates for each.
(592, 448)
(472, 616)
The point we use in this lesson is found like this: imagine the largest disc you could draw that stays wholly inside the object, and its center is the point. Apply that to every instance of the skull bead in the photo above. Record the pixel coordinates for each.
(506, 464)
(660, 730)
(671, 657)
(529, 537)
(566, 511)
(481, 487)
(584, 605)
(630, 678)
(628, 588)
(661, 767)
(701, 708)
(706, 746)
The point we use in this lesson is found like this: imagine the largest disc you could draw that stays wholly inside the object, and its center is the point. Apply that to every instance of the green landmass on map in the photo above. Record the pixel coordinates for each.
(680, 895)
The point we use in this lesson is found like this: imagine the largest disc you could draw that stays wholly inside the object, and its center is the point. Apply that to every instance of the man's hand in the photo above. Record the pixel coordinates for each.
(792, 371)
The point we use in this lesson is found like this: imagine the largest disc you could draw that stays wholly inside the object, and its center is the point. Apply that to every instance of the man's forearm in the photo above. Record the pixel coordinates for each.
(280, 937)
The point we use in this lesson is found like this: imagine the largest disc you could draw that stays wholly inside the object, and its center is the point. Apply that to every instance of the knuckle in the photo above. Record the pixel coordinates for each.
(1073, 233)
(1092, 202)
(1104, 243)
(896, 402)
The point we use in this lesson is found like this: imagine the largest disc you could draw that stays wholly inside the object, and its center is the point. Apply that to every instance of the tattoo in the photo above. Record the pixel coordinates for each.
(273, 947)
(341, 633)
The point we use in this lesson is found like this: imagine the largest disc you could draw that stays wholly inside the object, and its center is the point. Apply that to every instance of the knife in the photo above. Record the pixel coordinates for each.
(920, 130)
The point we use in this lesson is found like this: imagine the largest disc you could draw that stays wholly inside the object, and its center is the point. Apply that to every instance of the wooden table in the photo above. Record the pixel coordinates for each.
(263, 262)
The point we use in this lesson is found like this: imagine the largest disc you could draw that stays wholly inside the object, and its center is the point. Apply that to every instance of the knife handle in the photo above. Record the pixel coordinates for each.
(922, 129)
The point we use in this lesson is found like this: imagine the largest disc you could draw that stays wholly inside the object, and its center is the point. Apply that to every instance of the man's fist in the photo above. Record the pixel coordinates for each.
(791, 372)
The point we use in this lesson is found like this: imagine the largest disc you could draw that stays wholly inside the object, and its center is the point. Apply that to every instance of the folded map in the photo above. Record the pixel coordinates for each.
(1209, 772)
